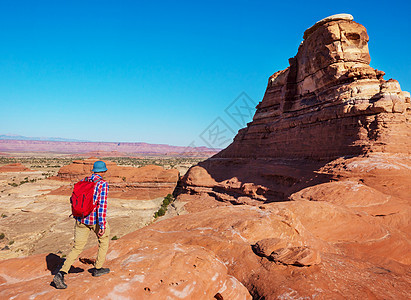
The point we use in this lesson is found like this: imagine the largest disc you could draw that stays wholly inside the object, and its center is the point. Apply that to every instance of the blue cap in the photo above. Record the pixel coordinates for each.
(99, 166)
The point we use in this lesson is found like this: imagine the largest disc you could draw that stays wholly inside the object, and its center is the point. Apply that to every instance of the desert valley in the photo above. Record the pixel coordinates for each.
(310, 201)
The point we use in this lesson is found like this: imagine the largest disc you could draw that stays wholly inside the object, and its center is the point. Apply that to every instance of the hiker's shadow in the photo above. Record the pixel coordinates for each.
(55, 262)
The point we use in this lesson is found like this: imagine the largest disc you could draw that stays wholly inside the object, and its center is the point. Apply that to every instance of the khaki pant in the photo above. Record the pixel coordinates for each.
(81, 233)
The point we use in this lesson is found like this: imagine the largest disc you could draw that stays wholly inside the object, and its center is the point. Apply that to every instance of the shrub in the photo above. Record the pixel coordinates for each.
(2, 236)
(114, 238)
(160, 212)
(166, 201)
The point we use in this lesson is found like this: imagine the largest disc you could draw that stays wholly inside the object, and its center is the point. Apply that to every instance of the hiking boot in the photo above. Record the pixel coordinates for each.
(59, 281)
(101, 271)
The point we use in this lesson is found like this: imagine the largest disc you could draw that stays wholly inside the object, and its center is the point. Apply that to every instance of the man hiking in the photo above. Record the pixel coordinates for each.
(95, 221)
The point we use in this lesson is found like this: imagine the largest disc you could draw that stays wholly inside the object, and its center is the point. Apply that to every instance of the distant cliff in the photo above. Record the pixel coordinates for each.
(112, 148)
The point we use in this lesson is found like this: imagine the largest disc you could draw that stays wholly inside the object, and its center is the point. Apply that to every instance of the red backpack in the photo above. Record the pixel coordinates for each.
(82, 198)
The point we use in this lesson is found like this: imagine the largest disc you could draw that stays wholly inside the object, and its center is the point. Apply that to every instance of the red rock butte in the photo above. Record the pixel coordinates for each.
(144, 183)
(320, 180)
(328, 103)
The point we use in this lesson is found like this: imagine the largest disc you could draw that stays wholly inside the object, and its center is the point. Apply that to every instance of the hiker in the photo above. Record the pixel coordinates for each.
(95, 221)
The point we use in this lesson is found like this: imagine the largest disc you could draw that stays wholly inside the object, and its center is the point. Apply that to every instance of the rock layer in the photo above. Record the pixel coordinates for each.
(144, 183)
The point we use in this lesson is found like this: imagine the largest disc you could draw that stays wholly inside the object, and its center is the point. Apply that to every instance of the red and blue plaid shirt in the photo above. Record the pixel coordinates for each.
(100, 196)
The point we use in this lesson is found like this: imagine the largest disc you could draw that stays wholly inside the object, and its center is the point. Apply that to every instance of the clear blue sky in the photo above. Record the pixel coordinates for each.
(162, 71)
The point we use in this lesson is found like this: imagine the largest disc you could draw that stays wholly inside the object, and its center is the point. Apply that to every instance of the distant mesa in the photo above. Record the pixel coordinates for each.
(101, 149)
(144, 183)
(20, 137)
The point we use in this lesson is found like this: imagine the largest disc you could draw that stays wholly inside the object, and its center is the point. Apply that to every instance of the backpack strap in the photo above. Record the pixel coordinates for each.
(96, 181)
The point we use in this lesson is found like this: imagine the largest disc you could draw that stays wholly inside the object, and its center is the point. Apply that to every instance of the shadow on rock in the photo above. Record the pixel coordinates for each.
(55, 262)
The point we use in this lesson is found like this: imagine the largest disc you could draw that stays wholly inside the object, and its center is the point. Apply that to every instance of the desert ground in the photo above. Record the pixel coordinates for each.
(32, 221)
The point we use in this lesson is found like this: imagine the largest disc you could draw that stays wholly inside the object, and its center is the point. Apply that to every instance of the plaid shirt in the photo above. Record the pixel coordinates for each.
(100, 195)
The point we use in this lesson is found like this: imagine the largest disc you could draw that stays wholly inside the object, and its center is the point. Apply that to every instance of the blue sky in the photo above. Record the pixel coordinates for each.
(162, 71)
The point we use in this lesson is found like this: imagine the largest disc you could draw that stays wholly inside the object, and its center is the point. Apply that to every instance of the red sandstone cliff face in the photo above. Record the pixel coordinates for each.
(329, 102)
(144, 183)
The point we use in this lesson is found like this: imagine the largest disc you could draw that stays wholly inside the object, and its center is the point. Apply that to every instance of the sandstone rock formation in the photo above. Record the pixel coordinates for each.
(144, 183)
(330, 145)
(15, 167)
(328, 103)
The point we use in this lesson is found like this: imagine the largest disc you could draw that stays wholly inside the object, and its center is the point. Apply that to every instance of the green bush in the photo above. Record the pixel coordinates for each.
(114, 238)
(2, 236)
(166, 201)
(162, 211)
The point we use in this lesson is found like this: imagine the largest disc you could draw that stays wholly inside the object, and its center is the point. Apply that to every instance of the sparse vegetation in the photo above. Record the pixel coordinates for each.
(166, 162)
(2, 236)
(114, 238)
(37, 162)
(55, 163)
(11, 242)
(26, 180)
(163, 209)
(3, 215)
